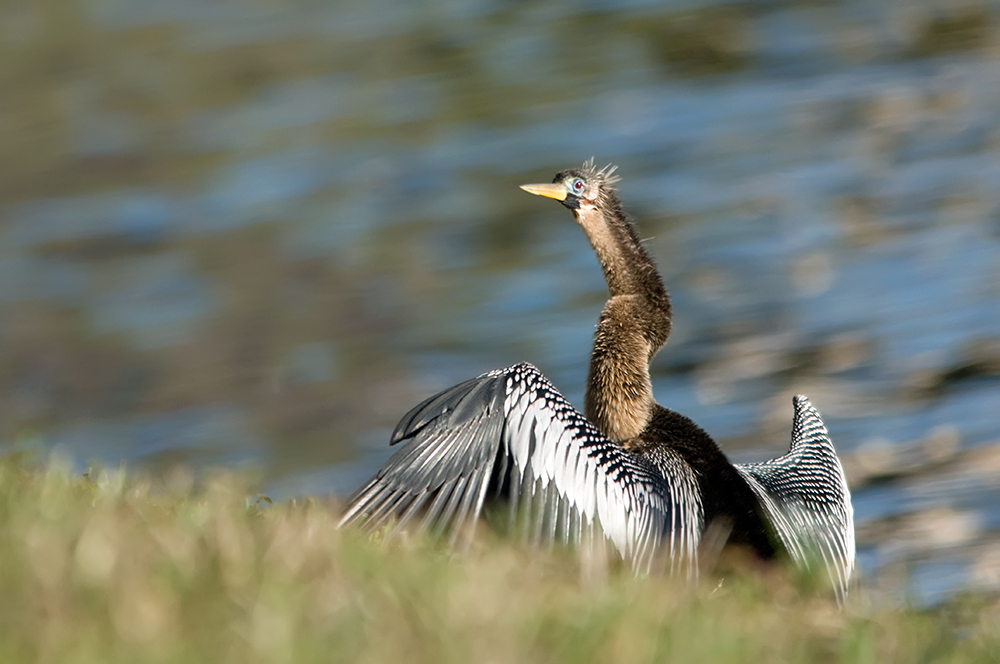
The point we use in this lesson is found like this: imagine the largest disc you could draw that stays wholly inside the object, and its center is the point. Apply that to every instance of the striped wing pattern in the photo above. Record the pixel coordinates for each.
(806, 498)
(567, 481)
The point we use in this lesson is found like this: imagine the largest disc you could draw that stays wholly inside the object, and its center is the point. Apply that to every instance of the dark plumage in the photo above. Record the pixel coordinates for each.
(647, 478)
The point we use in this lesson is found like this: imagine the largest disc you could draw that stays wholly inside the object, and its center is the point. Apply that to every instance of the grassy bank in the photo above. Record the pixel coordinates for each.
(110, 569)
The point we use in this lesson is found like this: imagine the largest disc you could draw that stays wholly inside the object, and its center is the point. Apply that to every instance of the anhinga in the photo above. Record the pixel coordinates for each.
(648, 478)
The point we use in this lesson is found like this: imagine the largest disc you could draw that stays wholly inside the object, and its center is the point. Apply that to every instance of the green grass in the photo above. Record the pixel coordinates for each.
(112, 568)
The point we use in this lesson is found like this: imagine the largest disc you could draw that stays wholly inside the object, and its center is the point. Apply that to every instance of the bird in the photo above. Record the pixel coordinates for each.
(626, 472)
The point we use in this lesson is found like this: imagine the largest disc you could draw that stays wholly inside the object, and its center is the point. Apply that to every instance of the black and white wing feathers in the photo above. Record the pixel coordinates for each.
(564, 479)
(805, 496)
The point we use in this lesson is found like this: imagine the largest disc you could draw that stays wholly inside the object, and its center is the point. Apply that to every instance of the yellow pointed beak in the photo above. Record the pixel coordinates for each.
(556, 191)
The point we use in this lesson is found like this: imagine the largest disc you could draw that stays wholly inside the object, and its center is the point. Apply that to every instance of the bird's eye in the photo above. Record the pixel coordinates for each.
(577, 186)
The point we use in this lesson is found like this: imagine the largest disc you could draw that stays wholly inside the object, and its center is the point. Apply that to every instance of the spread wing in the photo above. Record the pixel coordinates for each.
(510, 429)
(805, 495)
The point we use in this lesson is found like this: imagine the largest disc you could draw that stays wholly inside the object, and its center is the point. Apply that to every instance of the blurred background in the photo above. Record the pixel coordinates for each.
(252, 234)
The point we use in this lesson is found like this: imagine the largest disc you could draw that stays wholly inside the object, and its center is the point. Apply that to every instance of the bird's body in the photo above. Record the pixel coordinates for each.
(648, 478)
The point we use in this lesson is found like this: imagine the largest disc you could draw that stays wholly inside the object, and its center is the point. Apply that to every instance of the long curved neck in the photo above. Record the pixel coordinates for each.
(634, 325)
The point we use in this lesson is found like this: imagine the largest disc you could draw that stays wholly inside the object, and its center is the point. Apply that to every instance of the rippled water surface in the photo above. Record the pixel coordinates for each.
(253, 235)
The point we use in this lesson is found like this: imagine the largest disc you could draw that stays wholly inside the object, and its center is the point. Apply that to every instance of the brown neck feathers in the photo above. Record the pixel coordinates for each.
(633, 326)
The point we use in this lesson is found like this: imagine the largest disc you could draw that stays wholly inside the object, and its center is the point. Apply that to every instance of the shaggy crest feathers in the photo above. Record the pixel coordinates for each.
(604, 176)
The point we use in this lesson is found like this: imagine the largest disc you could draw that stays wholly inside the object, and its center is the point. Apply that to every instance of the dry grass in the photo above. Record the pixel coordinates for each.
(111, 569)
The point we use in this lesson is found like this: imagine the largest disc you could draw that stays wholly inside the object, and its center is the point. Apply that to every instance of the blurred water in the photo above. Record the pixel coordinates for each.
(255, 235)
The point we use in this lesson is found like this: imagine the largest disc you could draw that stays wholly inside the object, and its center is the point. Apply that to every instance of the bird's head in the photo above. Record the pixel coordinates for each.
(580, 188)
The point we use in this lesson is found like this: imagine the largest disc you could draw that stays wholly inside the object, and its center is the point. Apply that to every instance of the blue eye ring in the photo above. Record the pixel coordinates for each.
(577, 186)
